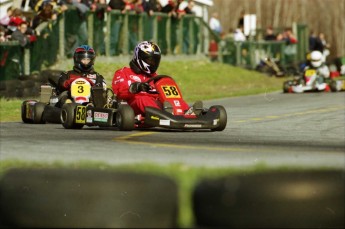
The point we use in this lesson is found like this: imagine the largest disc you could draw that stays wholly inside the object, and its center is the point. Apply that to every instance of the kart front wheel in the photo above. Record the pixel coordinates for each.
(68, 116)
(223, 117)
(38, 113)
(125, 118)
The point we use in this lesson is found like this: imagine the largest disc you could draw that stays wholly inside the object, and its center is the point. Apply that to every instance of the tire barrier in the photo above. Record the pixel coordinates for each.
(307, 199)
(27, 86)
(45, 198)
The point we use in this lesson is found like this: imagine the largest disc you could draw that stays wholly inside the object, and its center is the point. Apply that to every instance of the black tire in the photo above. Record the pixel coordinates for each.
(223, 117)
(23, 112)
(333, 86)
(52, 114)
(38, 113)
(286, 86)
(289, 199)
(125, 118)
(72, 198)
(68, 116)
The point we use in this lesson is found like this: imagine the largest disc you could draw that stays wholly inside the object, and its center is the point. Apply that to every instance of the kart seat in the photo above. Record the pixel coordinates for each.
(98, 97)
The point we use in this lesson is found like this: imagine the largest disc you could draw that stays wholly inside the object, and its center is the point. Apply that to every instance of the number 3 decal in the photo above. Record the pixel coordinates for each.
(80, 89)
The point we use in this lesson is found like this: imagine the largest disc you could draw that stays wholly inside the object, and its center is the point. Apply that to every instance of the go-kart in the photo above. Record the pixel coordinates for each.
(308, 83)
(84, 105)
(92, 106)
(173, 117)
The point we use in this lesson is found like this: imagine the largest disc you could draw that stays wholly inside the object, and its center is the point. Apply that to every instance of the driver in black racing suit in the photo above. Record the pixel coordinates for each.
(84, 59)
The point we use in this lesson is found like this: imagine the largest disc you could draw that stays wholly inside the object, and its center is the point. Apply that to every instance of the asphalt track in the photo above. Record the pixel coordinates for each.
(303, 130)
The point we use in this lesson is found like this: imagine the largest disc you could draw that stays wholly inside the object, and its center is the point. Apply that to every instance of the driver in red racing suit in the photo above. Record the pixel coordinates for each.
(84, 59)
(129, 82)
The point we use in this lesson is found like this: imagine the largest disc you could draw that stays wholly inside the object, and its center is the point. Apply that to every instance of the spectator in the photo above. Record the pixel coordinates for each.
(215, 24)
(315, 43)
(186, 28)
(3, 38)
(137, 6)
(21, 35)
(58, 6)
(6, 19)
(289, 37)
(270, 36)
(239, 35)
(116, 25)
(189, 8)
(15, 20)
(240, 23)
(291, 41)
(45, 15)
(326, 46)
(170, 9)
(99, 7)
(117, 5)
(151, 6)
(213, 50)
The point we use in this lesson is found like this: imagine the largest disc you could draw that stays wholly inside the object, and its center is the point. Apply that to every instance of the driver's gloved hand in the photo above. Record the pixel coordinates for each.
(138, 87)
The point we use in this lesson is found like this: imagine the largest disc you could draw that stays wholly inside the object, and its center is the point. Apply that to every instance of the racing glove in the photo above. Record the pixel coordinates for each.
(137, 87)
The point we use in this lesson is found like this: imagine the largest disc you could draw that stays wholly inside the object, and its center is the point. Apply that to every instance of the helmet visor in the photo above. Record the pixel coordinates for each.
(153, 62)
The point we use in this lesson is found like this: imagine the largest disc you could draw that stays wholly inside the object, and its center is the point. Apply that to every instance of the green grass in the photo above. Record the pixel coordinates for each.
(197, 79)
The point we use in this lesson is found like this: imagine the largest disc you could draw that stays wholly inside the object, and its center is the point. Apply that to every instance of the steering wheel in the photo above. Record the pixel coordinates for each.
(156, 78)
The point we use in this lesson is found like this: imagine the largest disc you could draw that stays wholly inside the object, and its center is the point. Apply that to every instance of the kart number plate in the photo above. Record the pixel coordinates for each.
(80, 114)
(310, 72)
(80, 89)
(170, 91)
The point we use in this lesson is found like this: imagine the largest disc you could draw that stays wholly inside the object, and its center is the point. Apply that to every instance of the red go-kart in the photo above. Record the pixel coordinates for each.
(173, 117)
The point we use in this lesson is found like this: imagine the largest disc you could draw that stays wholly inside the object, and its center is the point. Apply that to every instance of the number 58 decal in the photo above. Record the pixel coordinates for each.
(80, 115)
(171, 92)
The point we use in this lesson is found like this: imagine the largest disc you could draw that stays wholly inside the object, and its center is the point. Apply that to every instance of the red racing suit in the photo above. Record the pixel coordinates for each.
(123, 78)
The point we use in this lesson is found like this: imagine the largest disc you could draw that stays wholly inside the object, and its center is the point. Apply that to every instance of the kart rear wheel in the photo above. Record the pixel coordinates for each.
(125, 118)
(67, 116)
(24, 110)
(223, 117)
(286, 86)
(38, 113)
(333, 86)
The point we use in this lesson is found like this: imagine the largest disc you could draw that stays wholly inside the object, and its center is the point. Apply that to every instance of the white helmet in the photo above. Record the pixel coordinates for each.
(316, 58)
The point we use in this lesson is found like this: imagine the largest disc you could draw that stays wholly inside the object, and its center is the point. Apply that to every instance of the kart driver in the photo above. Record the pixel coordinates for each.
(129, 82)
(84, 58)
(316, 62)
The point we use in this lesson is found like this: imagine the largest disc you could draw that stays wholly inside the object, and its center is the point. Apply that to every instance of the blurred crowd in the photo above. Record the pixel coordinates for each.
(19, 25)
